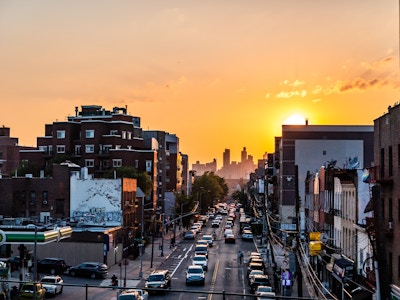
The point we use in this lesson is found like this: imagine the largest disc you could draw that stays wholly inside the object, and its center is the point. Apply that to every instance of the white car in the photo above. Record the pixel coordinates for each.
(209, 239)
(53, 284)
(144, 295)
(195, 274)
(200, 260)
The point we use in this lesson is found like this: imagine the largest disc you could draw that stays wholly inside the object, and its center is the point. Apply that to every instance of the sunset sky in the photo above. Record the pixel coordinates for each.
(218, 74)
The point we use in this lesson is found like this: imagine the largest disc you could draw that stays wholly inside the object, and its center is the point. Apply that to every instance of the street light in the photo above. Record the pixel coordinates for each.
(162, 234)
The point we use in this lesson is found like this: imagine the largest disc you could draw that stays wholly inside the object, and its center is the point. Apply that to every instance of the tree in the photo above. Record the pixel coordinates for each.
(208, 189)
(184, 205)
(26, 167)
(241, 197)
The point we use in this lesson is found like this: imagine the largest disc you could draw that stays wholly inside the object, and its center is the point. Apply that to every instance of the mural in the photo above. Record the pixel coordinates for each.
(96, 202)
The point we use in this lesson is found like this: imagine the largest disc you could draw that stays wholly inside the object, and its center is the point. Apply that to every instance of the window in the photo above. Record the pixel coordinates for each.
(60, 148)
(59, 206)
(382, 163)
(78, 149)
(390, 210)
(32, 200)
(89, 163)
(43, 148)
(61, 134)
(89, 148)
(45, 197)
(129, 135)
(123, 135)
(106, 163)
(90, 134)
(136, 163)
(117, 163)
(106, 148)
(149, 166)
(113, 132)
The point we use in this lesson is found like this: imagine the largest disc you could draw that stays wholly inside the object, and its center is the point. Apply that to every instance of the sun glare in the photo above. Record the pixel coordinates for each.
(295, 119)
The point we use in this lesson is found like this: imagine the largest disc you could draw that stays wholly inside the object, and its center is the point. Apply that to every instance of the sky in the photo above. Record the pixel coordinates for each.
(218, 74)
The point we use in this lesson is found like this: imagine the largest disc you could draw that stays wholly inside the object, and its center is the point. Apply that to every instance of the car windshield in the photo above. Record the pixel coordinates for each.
(264, 289)
(195, 271)
(156, 278)
(199, 258)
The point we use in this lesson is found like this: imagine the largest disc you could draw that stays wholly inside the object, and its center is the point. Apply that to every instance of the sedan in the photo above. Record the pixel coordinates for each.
(90, 269)
(247, 235)
(230, 238)
(52, 284)
(200, 260)
(190, 235)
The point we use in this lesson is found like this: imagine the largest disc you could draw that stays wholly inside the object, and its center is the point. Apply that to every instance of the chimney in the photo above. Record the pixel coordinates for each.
(306, 122)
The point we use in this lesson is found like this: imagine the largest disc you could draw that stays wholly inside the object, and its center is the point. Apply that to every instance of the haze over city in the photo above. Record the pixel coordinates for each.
(219, 75)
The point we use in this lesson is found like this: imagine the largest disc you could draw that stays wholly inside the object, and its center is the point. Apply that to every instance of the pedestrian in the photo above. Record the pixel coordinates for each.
(240, 256)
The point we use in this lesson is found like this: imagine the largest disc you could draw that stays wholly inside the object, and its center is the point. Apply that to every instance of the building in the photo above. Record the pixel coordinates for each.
(307, 148)
(386, 176)
(98, 139)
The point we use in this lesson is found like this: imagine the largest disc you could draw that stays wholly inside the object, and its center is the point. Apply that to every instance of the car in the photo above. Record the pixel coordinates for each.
(254, 259)
(203, 242)
(129, 295)
(230, 238)
(133, 294)
(209, 239)
(252, 273)
(258, 280)
(53, 284)
(215, 223)
(201, 249)
(195, 275)
(29, 288)
(200, 260)
(195, 228)
(228, 231)
(52, 265)
(190, 235)
(247, 235)
(263, 290)
(254, 266)
(89, 269)
(158, 279)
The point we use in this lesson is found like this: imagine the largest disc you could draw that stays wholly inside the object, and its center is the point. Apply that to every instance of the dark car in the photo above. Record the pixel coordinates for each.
(90, 269)
(53, 266)
(258, 280)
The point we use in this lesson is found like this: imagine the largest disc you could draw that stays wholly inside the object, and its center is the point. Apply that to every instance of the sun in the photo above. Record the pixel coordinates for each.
(295, 119)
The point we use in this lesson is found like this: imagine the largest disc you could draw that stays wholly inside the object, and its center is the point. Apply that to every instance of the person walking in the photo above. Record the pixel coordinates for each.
(240, 256)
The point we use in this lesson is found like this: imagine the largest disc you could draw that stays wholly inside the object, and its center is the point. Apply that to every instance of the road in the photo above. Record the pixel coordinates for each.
(224, 274)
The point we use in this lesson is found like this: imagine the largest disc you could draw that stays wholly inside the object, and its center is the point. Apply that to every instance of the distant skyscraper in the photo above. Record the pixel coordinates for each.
(226, 158)
(244, 155)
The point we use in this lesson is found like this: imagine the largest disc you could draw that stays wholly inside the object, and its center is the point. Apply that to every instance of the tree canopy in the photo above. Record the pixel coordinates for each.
(143, 179)
(209, 189)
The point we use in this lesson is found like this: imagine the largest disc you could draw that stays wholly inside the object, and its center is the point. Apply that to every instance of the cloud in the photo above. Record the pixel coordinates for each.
(290, 94)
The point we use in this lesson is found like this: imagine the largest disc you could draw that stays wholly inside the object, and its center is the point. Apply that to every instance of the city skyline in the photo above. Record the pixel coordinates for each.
(218, 75)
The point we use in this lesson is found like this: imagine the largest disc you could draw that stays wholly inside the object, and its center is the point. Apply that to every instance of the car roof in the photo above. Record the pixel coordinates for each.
(195, 267)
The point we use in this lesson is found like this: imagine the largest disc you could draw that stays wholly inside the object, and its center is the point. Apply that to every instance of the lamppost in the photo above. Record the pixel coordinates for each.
(162, 234)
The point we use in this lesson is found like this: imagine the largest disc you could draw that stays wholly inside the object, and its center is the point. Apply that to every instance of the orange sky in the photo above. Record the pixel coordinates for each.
(218, 74)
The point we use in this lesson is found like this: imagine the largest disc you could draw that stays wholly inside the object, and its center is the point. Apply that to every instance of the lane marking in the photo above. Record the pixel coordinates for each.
(214, 279)
(181, 260)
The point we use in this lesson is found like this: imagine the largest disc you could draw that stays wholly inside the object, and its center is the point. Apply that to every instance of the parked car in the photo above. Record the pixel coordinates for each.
(195, 274)
(53, 284)
(252, 273)
(254, 266)
(52, 265)
(258, 280)
(200, 260)
(27, 290)
(89, 269)
(264, 290)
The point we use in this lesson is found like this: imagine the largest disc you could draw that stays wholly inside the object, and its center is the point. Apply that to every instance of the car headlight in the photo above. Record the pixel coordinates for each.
(162, 285)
